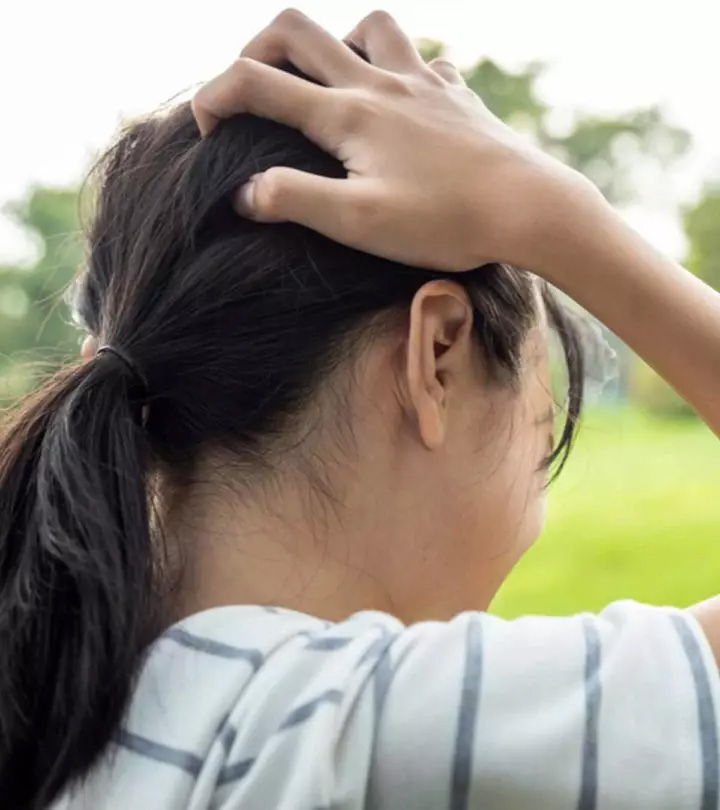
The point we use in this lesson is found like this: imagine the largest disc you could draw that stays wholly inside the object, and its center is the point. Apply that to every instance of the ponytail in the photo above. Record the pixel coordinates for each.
(76, 577)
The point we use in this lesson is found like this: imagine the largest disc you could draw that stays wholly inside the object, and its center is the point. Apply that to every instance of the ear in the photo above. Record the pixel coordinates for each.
(89, 348)
(439, 353)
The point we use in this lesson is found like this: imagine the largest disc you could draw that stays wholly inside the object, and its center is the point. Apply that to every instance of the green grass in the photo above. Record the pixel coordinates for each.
(636, 514)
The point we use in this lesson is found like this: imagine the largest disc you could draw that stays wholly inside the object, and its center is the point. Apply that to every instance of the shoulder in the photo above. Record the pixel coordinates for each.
(516, 711)
(254, 640)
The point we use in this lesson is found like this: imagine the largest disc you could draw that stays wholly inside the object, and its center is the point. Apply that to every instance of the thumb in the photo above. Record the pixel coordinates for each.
(282, 194)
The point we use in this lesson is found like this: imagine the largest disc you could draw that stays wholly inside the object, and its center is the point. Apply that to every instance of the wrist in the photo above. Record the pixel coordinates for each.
(567, 222)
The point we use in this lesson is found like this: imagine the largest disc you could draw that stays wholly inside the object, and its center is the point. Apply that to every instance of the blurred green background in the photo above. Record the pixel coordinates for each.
(636, 513)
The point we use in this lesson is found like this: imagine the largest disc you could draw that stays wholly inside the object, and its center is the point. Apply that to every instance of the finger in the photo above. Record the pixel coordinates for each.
(293, 37)
(386, 44)
(250, 86)
(328, 205)
(445, 69)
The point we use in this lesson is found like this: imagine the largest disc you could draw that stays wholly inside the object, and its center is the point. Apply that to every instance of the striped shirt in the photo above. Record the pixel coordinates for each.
(259, 708)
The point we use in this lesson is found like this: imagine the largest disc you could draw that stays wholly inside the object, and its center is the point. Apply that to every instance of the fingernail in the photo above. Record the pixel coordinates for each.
(244, 199)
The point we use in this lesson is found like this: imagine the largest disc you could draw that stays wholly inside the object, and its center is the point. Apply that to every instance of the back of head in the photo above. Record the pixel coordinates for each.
(201, 297)
(234, 325)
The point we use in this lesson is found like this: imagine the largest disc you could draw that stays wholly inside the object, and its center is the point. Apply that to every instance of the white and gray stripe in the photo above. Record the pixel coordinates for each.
(306, 711)
(382, 678)
(515, 714)
(167, 755)
(707, 718)
(467, 716)
(211, 647)
(593, 696)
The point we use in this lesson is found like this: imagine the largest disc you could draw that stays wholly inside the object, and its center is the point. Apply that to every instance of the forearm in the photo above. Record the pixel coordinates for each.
(663, 312)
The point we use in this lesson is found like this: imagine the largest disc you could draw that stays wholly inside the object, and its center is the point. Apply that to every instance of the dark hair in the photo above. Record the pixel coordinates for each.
(234, 325)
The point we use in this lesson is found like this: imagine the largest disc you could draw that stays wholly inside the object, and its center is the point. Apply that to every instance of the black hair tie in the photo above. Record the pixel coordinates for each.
(139, 378)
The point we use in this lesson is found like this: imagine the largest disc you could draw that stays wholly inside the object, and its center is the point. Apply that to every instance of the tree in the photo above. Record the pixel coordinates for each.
(607, 150)
(702, 227)
(604, 149)
(32, 313)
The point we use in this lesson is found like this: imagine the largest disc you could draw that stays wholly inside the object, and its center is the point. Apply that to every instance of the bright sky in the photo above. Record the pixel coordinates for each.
(70, 70)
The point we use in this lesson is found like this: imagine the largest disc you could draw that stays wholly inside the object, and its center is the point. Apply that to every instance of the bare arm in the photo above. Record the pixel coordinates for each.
(468, 191)
(666, 314)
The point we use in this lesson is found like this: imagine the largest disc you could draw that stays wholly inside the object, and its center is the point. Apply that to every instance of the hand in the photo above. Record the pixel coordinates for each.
(434, 179)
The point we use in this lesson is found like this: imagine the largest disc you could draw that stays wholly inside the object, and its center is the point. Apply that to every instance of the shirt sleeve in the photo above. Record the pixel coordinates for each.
(604, 712)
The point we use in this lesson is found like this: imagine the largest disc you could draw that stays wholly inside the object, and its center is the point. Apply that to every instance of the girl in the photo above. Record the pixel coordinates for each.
(246, 547)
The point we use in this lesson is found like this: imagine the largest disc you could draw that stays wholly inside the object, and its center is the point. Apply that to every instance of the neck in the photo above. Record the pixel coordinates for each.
(324, 549)
(290, 545)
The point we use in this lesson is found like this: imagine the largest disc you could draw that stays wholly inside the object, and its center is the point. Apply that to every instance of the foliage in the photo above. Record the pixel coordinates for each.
(637, 506)
(33, 318)
(607, 150)
(702, 227)
(32, 314)
(510, 96)
(650, 392)
(635, 514)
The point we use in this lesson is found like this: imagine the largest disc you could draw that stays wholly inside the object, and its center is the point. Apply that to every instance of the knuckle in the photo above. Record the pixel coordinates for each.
(290, 19)
(243, 67)
(275, 42)
(442, 62)
(437, 78)
(269, 190)
(199, 101)
(391, 83)
(441, 70)
(380, 18)
(243, 70)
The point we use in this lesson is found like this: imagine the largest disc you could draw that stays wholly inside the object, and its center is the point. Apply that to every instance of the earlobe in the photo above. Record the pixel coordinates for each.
(440, 319)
